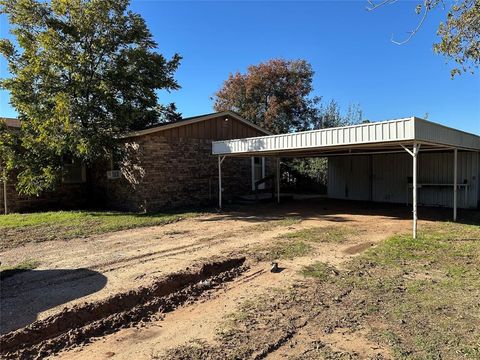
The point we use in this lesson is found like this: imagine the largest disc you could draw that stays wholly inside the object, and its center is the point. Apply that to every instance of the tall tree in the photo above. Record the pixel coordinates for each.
(459, 33)
(275, 95)
(84, 72)
(8, 145)
(330, 115)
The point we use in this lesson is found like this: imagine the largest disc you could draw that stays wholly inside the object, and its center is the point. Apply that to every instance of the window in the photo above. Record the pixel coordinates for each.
(116, 160)
(74, 172)
(115, 163)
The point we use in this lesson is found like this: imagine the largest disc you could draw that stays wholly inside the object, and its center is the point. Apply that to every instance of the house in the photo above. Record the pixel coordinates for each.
(168, 166)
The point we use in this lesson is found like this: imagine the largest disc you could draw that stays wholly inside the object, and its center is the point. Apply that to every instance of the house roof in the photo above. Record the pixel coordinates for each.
(195, 119)
(11, 122)
(377, 136)
(15, 123)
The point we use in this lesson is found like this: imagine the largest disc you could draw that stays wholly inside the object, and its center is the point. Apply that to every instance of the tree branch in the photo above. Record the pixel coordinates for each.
(374, 6)
(427, 6)
(414, 31)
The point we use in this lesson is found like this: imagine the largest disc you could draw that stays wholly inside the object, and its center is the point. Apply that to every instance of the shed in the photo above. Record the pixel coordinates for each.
(409, 160)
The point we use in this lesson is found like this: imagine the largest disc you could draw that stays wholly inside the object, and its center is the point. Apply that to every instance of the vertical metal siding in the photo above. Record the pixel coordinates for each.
(348, 178)
(389, 177)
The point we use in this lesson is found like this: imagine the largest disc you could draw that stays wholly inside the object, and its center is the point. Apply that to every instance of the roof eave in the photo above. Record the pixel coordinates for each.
(192, 121)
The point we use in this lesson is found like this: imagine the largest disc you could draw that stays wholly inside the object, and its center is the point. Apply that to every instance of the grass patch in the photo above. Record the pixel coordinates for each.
(18, 229)
(286, 250)
(272, 224)
(318, 270)
(258, 228)
(7, 271)
(425, 292)
(300, 242)
(336, 234)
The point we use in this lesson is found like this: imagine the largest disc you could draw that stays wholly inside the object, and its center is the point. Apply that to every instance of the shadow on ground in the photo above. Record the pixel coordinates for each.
(24, 295)
(335, 211)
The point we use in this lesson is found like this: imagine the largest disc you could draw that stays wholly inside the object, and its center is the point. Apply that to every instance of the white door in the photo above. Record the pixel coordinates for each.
(258, 171)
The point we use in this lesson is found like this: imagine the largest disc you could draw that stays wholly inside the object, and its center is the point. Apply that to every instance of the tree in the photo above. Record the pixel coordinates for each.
(459, 34)
(330, 115)
(274, 95)
(84, 73)
(8, 145)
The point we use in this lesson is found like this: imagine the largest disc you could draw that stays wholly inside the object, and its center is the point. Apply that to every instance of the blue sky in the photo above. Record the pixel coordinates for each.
(348, 47)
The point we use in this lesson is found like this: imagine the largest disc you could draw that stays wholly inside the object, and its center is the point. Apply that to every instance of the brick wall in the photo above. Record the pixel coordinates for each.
(66, 196)
(171, 173)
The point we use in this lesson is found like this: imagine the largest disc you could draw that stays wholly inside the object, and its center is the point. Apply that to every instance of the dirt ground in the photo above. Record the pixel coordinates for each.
(82, 273)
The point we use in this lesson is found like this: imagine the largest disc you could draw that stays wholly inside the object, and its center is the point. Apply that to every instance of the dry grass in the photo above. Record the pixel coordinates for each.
(335, 234)
(302, 242)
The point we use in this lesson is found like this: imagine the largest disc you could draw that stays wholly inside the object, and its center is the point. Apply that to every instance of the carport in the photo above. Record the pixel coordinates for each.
(380, 141)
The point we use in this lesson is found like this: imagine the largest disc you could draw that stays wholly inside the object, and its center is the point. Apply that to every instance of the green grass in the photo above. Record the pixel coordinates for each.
(300, 242)
(335, 234)
(425, 291)
(318, 270)
(287, 250)
(272, 224)
(7, 271)
(18, 229)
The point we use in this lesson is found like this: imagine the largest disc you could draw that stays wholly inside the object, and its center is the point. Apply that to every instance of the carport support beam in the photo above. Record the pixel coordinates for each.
(220, 160)
(455, 185)
(414, 153)
(415, 216)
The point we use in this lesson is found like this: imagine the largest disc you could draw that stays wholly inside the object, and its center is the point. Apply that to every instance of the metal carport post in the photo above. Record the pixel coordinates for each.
(414, 154)
(455, 185)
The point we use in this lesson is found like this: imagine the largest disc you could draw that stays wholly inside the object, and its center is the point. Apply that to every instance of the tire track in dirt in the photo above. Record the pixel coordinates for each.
(79, 324)
(123, 263)
(104, 267)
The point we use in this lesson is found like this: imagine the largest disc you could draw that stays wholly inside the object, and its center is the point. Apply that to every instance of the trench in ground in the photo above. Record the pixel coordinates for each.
(79, 324)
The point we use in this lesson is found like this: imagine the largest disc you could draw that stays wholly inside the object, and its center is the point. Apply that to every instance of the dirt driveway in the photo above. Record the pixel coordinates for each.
(82, 272)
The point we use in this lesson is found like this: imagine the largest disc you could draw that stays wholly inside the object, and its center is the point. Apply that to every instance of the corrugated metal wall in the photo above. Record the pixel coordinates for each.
(384, 178)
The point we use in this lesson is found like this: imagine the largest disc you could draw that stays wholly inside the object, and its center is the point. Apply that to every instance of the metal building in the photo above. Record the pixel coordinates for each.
(408, 160)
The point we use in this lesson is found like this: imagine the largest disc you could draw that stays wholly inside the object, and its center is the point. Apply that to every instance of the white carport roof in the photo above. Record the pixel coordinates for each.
(369, 137)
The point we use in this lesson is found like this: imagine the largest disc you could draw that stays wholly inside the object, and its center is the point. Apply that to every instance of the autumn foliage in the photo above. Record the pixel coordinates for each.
(274, 95)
